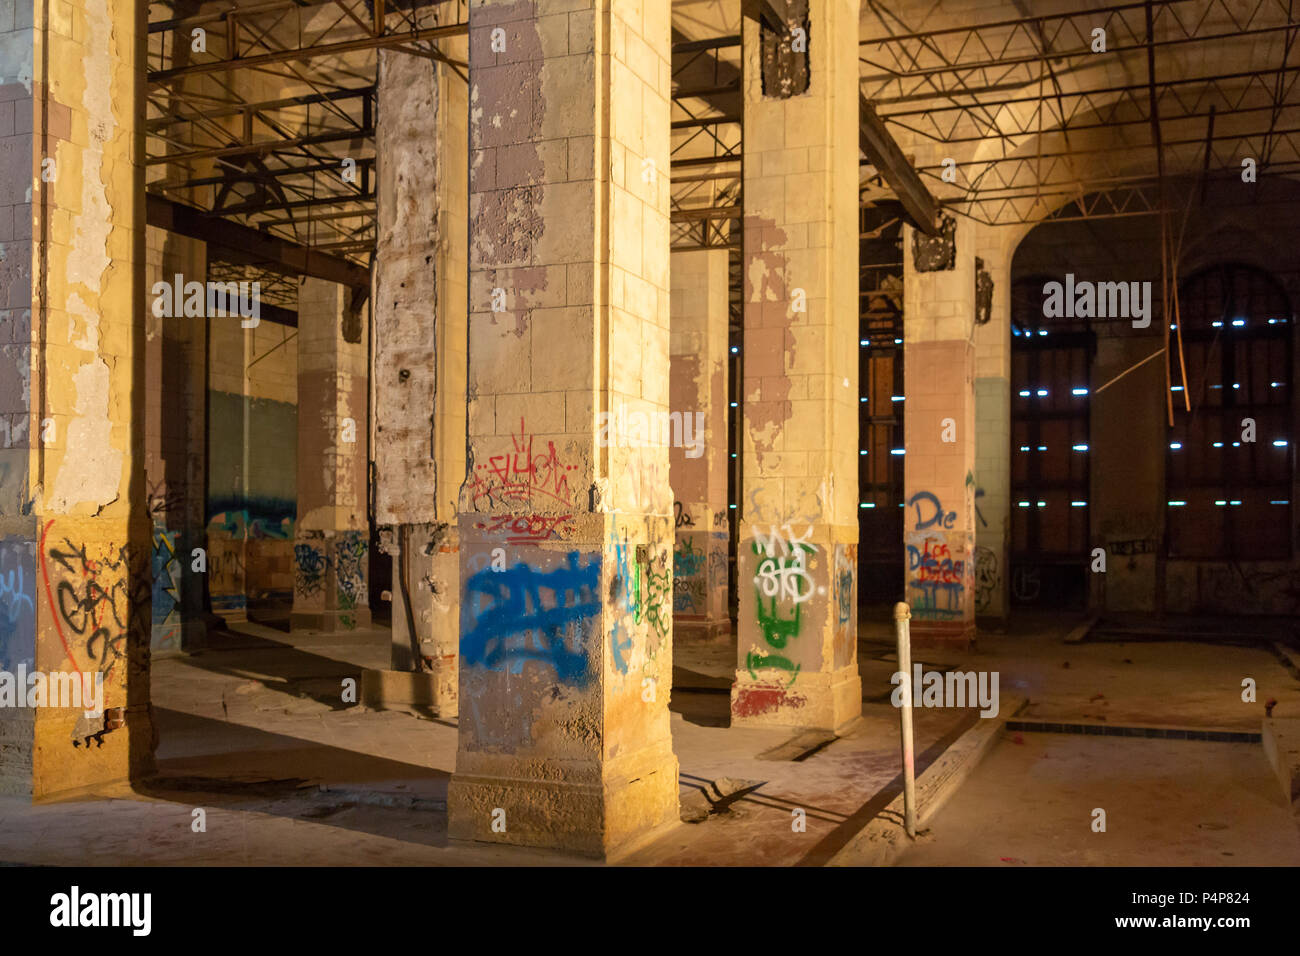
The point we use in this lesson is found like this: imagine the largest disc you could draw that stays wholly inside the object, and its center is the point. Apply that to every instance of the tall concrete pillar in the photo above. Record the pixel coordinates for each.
(252, 424)
(939, 433)
(74, 531)
(797, 556)
(995, 248)
(175, 425)
(331, 535)
(698, 462)
(566, 517)
(420, 306)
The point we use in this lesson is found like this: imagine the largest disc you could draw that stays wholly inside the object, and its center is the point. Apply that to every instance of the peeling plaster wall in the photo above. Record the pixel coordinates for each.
(798, 504)
(90, 474)
(74, 513)
(420, 349)
(565, 221)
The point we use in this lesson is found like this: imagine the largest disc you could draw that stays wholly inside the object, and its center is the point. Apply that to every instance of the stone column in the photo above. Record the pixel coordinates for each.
(939, 434)
(995, 247)
(419, 354)
(74, 530)
(176, 349)
(566, 516)
(331, 537)
(698, 469)
(797, 556)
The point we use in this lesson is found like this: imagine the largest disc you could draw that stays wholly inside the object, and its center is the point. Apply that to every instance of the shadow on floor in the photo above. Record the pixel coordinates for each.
(298, 672)
(239, 767)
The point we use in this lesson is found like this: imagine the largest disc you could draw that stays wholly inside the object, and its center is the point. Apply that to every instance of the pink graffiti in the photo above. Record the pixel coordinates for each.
(524, 529)
(521, 475)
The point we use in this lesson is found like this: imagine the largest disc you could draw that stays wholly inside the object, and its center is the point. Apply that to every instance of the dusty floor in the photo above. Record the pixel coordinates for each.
(1166, 802)
(255, 734)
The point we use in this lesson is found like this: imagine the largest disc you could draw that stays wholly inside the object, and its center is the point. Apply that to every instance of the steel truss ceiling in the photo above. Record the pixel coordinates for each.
(706, 144)
(1033, 118)
(251, 119)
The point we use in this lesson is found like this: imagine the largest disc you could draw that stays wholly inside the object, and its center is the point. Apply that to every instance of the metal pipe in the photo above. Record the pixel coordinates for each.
(902, 617)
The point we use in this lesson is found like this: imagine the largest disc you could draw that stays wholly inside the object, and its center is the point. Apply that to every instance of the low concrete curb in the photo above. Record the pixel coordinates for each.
(1079, 633)
(398, 690)
(1282, 746)
(1290, 659)
(882, 840)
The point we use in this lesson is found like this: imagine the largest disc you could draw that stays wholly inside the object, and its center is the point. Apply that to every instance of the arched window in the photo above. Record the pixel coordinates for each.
(1230, 458)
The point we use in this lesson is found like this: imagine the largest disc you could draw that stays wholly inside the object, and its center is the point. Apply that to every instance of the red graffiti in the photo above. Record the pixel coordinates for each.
(934, 564)
(523, 529)
(756, 701)
(520, 475)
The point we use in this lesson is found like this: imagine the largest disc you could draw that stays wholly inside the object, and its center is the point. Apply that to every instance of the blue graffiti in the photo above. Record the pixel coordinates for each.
(629, 578)
(270, 518)
(943, 519)
(13, 594)
(687, 562)
(17, 609)
(511, 622)
(165, 597)
(618, 645)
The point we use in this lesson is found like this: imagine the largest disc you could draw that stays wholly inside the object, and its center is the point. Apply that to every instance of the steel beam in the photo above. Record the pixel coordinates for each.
(245, 246)
(879, 147)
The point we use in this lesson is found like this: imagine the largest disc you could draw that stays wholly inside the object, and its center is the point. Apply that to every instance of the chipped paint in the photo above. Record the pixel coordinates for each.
(92, 468)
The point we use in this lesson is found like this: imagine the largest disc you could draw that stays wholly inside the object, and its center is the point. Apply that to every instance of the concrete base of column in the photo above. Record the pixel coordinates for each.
(565, 671)
(819, 702)
(227, 560)
(432, 576)
(330, 621)
(957, 635)
(171, 639)
(700, 570)
(83, 569)
(331, 570)
(797, 634)
(583, 808)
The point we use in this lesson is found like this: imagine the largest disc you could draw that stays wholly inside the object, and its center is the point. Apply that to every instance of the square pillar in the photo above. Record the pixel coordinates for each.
(939, 434)
(74, 531)
(175, 425)
(420, 307)
(698, 463)
(331, 535)
(566, 522)
(797, 560)
(995, 248)
(252, 466)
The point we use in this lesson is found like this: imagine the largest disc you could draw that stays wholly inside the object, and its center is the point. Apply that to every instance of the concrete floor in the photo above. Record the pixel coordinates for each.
(255, 733)
(1167, 803)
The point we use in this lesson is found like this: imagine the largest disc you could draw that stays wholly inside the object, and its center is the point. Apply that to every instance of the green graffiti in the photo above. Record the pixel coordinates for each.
(755, 661)
(777, 631)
